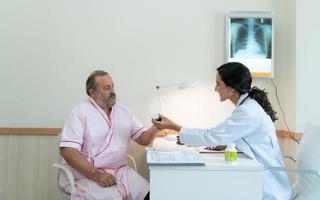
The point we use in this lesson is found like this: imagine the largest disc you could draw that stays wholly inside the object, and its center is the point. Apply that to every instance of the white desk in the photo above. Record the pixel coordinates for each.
(217, 180)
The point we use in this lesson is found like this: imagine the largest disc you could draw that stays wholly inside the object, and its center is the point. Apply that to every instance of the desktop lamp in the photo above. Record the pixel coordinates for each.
(179, 86)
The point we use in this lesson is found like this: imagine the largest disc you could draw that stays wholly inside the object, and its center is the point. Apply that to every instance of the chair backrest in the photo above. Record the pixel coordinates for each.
(132, 162)
(308, 185)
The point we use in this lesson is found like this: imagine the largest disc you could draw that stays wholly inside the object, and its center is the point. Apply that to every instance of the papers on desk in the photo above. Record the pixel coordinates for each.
(175, 157)
(203, 149)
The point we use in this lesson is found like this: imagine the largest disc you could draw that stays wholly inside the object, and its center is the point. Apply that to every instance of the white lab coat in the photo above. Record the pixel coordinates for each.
(254, 134)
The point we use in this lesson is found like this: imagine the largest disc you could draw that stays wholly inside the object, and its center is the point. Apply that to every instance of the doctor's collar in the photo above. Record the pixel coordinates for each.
(242, 98)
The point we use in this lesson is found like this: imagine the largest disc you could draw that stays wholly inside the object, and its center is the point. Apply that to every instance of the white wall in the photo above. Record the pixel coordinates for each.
(48, 48)
(308, 70)
(285, 68)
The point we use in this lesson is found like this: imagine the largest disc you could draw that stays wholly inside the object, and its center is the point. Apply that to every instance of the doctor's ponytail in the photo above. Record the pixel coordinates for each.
(261, 96)
(238, 76)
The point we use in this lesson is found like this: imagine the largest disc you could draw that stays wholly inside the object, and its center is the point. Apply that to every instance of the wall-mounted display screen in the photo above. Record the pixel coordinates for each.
(250, 41)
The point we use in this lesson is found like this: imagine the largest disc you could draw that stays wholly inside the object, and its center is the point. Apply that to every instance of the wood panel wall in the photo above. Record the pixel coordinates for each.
(26, 160)
(26, 170)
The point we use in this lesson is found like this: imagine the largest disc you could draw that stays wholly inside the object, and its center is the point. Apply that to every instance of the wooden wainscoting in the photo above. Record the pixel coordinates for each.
(289, 148)
(26, 170)
(287, 134)
(29, 131)
(26, 158)
(27, 155)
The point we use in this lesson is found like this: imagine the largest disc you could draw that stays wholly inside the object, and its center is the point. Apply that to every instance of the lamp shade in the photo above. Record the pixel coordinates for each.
(180, 86)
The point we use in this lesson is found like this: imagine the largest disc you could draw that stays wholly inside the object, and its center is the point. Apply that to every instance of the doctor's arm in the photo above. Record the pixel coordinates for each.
(166, 123)
(238, 125)
(76, 160)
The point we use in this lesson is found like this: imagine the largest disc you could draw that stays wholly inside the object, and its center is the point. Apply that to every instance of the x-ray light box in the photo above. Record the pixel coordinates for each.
(250, 38)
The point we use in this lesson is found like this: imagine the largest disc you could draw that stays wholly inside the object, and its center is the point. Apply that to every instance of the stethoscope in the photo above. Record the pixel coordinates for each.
(244, 99)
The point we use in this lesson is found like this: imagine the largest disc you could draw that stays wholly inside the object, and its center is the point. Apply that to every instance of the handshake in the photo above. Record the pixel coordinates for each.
(156, 117)
(162, 122)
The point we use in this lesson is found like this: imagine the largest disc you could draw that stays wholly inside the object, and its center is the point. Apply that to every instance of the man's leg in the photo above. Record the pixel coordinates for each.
(138, 187)
(94, 191)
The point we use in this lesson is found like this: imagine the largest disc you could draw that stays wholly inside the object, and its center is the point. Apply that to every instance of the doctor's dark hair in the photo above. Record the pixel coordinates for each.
(91, 84)
(238, 76)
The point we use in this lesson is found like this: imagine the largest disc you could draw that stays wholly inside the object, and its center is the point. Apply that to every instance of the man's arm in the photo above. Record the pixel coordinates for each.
(148, 136)
(75, 159)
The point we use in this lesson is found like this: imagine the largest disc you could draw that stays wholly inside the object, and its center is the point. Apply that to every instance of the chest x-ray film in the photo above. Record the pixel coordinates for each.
(250, 41)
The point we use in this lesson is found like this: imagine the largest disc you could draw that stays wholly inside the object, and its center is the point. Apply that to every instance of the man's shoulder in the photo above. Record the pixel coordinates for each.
(81, 107)
(122, 108)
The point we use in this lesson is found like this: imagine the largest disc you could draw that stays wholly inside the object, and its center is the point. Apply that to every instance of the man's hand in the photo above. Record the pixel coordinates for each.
(78, 162)
(104, 179)
(166, 123)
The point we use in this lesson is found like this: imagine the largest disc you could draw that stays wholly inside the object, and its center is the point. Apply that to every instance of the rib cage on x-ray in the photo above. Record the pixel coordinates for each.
(251, 38)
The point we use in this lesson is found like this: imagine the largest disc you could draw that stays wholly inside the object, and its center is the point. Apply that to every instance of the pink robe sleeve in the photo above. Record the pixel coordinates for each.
(137, 128)
(73, 131)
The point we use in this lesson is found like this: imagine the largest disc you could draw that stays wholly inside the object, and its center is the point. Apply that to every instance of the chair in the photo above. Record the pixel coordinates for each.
(66, 169)
(307, 186)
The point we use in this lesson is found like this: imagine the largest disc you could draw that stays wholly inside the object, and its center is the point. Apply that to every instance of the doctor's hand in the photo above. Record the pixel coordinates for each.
(104, 179)
(166, 123)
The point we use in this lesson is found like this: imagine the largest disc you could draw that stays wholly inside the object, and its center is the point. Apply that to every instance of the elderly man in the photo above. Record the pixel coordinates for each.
(94, 142)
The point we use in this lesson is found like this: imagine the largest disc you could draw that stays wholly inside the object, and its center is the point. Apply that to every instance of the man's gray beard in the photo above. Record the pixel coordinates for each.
(111, 101)
(108, 102)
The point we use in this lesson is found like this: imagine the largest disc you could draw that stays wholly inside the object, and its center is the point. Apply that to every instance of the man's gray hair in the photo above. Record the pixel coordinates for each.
(91, 84)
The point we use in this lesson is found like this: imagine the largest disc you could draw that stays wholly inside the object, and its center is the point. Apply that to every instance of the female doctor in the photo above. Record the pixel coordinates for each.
(250, 127)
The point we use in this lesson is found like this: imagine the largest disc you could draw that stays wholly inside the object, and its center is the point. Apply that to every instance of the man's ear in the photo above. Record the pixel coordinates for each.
(92, 93)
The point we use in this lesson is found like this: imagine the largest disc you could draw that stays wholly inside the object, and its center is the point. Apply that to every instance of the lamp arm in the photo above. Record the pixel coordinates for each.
(159, 99)
(168, 85)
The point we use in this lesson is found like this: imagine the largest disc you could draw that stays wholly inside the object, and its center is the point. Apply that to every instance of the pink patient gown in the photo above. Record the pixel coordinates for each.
(104, 142)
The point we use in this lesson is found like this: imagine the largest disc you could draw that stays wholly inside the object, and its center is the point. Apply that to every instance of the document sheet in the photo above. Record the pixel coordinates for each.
(176, 157)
